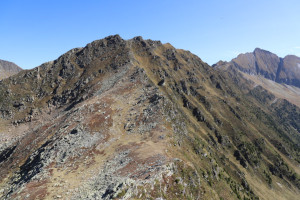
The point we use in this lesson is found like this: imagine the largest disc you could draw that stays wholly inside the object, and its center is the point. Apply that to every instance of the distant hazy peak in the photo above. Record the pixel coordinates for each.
(261, 62)
(8, 69)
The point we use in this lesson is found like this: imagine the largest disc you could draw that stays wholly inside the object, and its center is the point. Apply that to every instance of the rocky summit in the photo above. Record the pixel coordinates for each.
(8, 69)
(138, 119)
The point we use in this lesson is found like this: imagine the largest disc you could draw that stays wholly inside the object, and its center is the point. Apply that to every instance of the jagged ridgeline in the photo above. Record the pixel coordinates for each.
(261, 62)
(138, 119)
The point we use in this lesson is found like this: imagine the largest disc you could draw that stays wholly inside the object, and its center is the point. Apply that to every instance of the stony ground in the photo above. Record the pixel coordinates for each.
(138, 119)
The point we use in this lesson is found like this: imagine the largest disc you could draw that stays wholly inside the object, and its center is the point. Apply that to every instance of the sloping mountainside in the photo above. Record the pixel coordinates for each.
(8, 69)
(260, 62)
(280, 91)
(138, 119)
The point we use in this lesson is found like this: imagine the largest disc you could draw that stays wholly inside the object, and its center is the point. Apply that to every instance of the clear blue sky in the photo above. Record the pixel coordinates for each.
(37, 31)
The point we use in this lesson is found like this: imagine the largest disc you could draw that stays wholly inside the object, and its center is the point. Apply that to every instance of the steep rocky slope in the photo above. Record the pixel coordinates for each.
(279, 90)
(142, 120)
(260, 62)
(8, 69)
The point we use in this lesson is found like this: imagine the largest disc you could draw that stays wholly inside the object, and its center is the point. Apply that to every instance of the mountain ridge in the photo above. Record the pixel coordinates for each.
(261, 62)
(141, 119)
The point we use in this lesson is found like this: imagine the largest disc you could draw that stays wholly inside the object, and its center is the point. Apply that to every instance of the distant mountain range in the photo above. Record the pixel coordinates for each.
(261, 62)
(8, 69)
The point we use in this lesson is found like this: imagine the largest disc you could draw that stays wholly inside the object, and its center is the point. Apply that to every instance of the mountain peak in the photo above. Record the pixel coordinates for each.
(138, 38)
(114, 38)
(264, 53)
(137, 119)
(257, 49)
(269, 65)
(292, 57)
(8, 69)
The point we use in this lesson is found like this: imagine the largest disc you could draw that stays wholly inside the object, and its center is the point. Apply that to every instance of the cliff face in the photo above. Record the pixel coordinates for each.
(260, 62)
(140, 119)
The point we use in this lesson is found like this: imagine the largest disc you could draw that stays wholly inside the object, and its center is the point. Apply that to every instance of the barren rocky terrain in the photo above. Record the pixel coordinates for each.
(138, 119)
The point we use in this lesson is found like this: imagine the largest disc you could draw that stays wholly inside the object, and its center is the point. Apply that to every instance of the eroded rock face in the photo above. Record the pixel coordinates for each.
(8, 69)
(260, 62)
(138, 119)
(290, 71)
